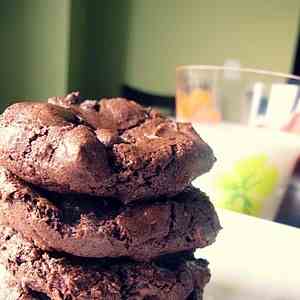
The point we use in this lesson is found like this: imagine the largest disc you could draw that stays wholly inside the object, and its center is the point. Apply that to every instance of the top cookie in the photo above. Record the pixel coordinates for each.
(113, 148)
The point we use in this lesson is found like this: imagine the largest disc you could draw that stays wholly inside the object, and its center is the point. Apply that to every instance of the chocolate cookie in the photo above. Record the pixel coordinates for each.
(112, 148)
(14, 293)
(29, 295)
(82, 279)
(89, 227)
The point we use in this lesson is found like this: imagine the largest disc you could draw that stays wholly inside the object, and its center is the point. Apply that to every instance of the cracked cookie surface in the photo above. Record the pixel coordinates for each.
(84, 226)
(108, 148)
(60, 278)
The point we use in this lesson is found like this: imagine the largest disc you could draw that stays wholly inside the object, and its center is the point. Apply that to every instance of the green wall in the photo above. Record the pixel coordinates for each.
(164, 34)
(34, 49)
(98, 46)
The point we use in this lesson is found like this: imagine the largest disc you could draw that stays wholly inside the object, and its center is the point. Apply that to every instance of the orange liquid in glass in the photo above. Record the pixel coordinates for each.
(197, 106)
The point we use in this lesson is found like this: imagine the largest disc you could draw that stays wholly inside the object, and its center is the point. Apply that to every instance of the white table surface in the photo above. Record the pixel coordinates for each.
(253, 259)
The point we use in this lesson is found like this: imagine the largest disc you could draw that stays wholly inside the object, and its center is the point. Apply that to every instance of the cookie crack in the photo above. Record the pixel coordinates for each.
(172, 219)
(43, 131)
(148, 116)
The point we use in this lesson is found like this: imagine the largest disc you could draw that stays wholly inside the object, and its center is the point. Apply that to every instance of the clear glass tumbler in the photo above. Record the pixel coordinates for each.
(244, 114)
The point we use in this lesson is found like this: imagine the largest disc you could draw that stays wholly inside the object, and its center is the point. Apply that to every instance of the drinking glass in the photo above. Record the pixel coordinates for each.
(242, 113)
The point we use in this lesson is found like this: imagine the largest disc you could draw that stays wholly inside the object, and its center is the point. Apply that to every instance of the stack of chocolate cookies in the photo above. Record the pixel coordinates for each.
(96, 202)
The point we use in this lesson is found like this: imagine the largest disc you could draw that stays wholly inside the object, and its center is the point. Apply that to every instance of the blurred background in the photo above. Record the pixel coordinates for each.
(108, 48)
(132, 48)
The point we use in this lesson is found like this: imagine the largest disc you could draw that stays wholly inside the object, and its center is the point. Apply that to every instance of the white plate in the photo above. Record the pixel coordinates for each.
(253, 259)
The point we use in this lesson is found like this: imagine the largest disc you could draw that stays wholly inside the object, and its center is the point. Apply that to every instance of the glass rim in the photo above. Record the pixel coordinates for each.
(242, 70)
